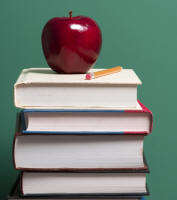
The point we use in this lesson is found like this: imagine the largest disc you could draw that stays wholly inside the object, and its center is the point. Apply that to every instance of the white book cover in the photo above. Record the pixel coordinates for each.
(43, 88)
(46, 75)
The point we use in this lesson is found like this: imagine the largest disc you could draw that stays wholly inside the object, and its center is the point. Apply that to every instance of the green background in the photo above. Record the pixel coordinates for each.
(138, 34)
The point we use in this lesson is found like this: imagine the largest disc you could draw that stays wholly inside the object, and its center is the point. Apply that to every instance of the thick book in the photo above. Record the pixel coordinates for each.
(15, 194)
(43, 88)
(60, 183)
(87, 121)
(78, 152)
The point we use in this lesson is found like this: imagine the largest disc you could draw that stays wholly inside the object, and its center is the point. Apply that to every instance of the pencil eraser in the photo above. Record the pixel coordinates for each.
(88, 77)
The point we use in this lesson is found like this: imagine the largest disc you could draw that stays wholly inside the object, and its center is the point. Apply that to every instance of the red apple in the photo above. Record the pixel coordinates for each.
(71, 44)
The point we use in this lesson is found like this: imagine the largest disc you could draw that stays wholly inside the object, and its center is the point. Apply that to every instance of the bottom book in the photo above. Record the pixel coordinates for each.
(83, 184)
(15, 194)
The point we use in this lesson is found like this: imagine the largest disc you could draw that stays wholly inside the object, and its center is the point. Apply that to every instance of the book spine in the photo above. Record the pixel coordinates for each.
(21, 184)
(15, 137)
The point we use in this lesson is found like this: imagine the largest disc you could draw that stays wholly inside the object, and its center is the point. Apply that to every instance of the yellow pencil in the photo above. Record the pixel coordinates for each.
(104, 72)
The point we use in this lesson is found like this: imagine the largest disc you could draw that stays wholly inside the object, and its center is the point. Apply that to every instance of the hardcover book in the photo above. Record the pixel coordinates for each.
(55, 183)
(87, 121)
(15, 194)
(43, 88)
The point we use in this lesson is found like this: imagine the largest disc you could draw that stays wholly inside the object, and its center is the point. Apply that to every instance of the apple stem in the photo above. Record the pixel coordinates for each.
(70, 14)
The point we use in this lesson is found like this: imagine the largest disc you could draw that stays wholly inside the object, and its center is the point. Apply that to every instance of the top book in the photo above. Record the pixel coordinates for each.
(43, 88)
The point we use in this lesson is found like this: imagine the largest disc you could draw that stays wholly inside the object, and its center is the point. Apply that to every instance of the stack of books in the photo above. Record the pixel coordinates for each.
(79, 139)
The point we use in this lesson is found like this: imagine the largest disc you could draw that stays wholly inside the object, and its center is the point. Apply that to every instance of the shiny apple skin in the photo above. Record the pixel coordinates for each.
(71, 44)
